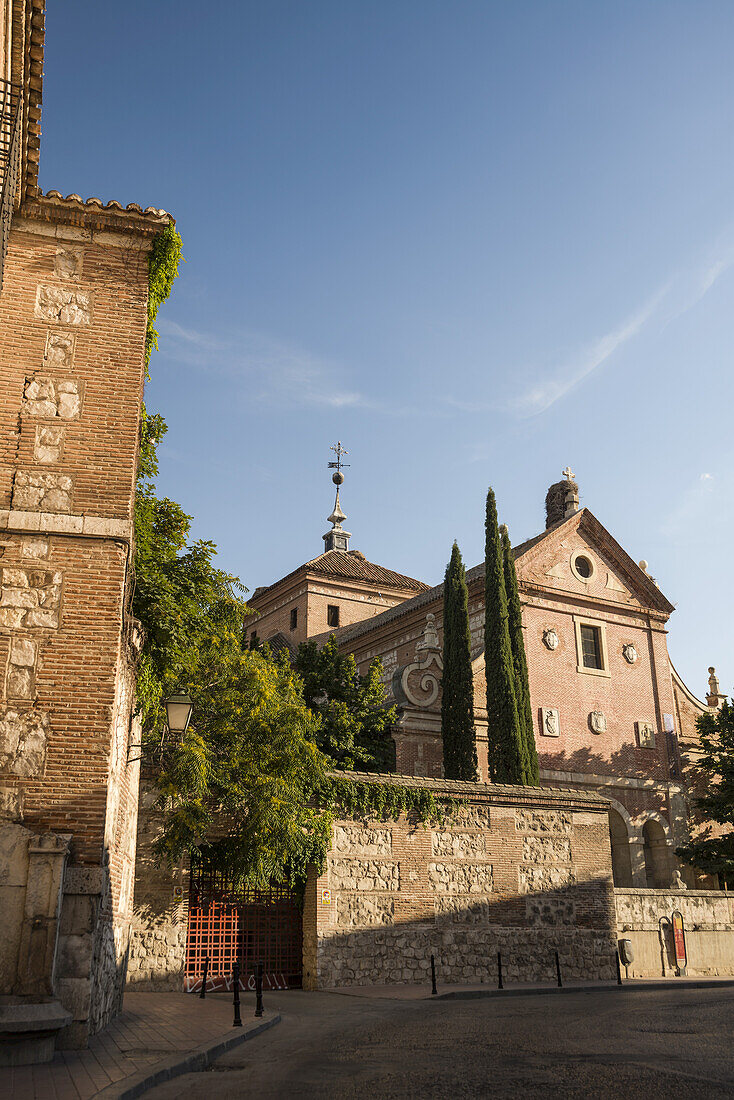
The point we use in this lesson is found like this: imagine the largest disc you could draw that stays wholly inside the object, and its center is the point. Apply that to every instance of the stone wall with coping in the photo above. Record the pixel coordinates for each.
(708, 919)
(512, 870)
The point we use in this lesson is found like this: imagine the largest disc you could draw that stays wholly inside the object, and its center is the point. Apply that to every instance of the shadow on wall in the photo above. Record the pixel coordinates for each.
(365, 945)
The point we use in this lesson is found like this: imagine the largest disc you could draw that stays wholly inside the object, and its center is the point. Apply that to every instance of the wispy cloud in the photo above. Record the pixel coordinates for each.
(274, 369)
(679, 294)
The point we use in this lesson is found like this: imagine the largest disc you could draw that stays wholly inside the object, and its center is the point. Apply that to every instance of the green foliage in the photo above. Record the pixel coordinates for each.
(354, 730)
(531, 767)
(165, 256)
(248, 774)
(715, 768)
(504, 732)
(385, 801)
(457, 703)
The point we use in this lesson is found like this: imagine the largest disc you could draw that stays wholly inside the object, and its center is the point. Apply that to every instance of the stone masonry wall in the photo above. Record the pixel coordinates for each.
(708, 919)
(159, 919)
(502, 874)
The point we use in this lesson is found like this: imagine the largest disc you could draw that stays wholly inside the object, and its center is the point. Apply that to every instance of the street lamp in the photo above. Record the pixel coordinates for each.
(178, 713)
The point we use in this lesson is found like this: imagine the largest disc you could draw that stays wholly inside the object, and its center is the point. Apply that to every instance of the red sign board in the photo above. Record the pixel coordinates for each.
(679, 936)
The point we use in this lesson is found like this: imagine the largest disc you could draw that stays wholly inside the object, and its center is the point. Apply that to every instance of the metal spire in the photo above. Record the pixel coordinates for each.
(337, 538)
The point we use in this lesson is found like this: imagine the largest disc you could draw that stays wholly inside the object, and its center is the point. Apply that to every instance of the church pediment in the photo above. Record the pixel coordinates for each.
(580, 557)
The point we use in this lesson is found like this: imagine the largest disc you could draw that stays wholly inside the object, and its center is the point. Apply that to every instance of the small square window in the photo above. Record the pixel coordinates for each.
(591, 653)
(332, 615)
(294, 618)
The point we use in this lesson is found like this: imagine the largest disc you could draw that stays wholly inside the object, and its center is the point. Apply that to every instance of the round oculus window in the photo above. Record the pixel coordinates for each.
(583, 567)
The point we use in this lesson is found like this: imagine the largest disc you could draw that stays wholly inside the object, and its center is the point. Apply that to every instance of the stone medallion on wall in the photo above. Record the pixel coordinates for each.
(550, 722)
(550, 638)
(629, 653)
(598, 722)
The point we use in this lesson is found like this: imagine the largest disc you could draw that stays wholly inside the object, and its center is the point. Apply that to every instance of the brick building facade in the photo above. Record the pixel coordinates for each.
(73, 314)
(611, 713)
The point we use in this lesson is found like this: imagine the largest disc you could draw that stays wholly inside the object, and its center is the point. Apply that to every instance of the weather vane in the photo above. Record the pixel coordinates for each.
(338, 477)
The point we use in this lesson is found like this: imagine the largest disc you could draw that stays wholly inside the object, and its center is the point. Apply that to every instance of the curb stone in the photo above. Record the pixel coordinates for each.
(626, 986)
(194, 1062)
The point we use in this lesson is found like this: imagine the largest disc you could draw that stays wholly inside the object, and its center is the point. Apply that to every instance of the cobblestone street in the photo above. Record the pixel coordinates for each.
(636, 1044)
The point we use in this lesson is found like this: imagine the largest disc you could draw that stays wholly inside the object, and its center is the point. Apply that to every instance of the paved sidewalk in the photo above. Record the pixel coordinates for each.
(155, 1032)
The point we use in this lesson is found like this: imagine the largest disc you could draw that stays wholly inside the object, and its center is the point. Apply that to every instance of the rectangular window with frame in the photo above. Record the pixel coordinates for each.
(294, 618)
(591, 646)
(591, 651)
(332, 614)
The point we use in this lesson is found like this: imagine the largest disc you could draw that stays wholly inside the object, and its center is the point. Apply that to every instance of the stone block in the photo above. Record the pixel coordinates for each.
(83, 880)
(34, 548)
(23, 738)
(458, 845)
(364, 840)
(59, 350)
(75, 996)
(547, 822)
(43, 492)
(364, 874)
(364, 910)
(65, 305)
(75, 955)
(546, 849)
(533, 879)
(23, 651)
(49, 445)
(461, 878)
(68, 262)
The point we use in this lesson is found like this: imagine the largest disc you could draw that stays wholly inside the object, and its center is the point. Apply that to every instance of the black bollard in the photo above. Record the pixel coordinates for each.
(433, 975)
(203, 980)
(558, 970)
(259, 989)
(619, 968)
(237, 1022)
(499, 970)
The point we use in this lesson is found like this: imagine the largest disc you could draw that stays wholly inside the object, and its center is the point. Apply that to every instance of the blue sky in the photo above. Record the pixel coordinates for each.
(476, 241)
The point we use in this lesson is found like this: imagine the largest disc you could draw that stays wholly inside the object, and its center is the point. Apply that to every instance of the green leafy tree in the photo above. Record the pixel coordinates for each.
(714, 777)
(519, 660)
(457, 703)
(504, 731)
(355, 722)
(245, 779)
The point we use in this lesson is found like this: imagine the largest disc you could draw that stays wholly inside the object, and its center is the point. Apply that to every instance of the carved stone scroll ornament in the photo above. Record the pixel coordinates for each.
(419, 683)
(550, 638)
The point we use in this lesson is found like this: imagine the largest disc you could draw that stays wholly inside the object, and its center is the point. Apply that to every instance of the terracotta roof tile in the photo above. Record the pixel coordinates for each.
(352, 565)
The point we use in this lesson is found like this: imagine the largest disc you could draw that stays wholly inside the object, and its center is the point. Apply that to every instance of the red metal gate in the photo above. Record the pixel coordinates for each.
(229, 924)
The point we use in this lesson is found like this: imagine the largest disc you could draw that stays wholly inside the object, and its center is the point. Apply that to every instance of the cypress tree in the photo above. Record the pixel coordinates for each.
(457, 703)
(519, 660)
(504, 732)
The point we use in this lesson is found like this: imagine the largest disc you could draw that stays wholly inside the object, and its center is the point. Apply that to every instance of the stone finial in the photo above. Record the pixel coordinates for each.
(714, 698)
(430, 634)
